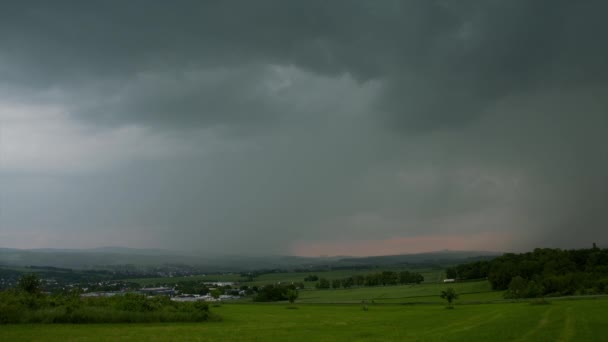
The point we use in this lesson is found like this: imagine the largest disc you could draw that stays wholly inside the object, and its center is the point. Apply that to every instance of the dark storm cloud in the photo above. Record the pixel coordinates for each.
(443, 62)
(421, 117)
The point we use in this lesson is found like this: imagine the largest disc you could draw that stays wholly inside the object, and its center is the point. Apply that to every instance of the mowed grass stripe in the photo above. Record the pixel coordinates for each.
(568, 320)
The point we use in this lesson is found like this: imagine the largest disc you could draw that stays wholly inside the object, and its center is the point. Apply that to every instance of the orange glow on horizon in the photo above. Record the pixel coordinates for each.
(403, 245)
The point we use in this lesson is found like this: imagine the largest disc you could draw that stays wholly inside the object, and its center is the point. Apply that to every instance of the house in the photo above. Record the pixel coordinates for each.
(157, 291)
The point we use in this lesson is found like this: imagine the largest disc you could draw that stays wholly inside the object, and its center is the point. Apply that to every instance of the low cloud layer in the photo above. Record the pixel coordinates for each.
(316, 127)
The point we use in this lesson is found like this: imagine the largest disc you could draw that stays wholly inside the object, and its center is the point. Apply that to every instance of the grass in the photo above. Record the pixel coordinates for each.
(565, 320)
(423, 293)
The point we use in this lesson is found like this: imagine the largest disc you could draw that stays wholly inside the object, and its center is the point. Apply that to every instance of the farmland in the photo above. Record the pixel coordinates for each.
(424, 293)
(571, 307)
(566, 320)
(431, 275)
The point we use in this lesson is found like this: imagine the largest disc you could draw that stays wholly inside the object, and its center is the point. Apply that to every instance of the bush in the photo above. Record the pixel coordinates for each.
(273, 293)
(22, 307)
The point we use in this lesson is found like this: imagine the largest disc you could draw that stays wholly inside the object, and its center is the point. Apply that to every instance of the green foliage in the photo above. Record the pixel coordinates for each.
(311, 277)
(192, 287)
(534, 289)
(383, 278)
(30, 283)
(472, 270)
(273, 293)
(216, 293)
(323, 284)
(23, 307)
(517, 288)
(543, 272)
(449, 295)
(292, 295)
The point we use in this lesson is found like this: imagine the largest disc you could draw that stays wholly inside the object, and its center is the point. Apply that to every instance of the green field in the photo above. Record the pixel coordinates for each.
(563, 320)
(423, 293)
(383, 313)
(479, 291)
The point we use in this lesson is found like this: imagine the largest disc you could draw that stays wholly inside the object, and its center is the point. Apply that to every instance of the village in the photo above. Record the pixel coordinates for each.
(218, 291)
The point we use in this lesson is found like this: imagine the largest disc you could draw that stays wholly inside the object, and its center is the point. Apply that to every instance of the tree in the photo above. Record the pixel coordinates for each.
(30, 283)
(534, 290)
(517, 288)
(292, 295)
(311, 277)
(216, 293)
(348, 282)
(449, 294)
(323, 284)
(451, 273)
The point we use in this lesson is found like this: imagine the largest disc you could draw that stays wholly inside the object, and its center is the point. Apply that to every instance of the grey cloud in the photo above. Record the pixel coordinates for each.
(332, 119)
(466, 54)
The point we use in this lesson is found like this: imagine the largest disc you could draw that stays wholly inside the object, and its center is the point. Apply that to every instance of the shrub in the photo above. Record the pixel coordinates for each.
(23, 307)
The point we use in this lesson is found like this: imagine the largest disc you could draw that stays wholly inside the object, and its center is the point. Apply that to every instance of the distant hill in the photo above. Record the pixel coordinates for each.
(111, 256)
(108, 256)
(134, 251)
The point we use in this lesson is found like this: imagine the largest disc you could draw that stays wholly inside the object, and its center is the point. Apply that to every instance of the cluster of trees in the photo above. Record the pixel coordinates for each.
(543, 272)
(28, 304)
(472, 270)
(251, 275)
(192, 287)
(199, 287)
(375, 279)
(276, 292)
(520, 287)
(58, 278)
(311, 277)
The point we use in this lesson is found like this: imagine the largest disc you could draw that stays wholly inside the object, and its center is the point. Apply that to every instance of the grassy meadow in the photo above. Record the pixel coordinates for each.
(562, 320)
(380, 313)
(423, 293)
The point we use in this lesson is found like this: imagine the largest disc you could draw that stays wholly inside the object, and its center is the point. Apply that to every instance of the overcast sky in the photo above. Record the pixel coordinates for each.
(304, 127)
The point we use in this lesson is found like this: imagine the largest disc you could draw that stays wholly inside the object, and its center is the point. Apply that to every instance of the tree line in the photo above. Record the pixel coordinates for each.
(542, 272)
(383, 278)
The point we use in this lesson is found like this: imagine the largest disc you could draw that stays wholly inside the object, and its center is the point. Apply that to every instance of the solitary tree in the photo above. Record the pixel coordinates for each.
(449, 294)
(292, 295)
